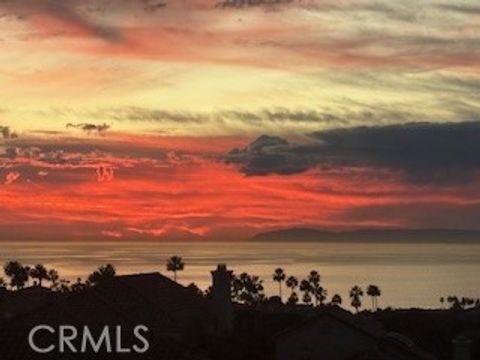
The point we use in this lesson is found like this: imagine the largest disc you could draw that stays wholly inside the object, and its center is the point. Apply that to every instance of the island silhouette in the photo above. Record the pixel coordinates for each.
(370, 235)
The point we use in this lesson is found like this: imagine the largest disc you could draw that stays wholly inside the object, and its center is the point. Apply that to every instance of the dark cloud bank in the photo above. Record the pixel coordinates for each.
(425, 153)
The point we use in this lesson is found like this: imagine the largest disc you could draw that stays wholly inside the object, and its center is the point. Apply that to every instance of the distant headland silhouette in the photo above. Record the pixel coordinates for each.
(370, 235)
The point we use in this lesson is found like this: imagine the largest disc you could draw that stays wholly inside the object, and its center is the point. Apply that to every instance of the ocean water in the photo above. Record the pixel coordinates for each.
(409, 275)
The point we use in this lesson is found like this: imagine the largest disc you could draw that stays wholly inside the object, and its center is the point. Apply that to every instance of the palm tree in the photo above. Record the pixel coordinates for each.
(103, 275)
(336, 300)
(279, 276)
(292, 283)
(175, 263)
(17, 273)
(306, 288)
(356, 294)
(318, 292)
(40, 273)
(374, 292)
(314, 278)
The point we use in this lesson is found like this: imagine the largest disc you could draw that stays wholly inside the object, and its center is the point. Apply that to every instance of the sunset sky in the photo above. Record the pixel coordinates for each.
(203, 119)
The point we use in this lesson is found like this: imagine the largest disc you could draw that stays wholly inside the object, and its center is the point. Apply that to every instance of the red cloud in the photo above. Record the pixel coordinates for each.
(213, 200)
(11, 177)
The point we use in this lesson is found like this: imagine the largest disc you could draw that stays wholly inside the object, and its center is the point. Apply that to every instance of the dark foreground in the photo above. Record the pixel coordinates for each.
(183, 324)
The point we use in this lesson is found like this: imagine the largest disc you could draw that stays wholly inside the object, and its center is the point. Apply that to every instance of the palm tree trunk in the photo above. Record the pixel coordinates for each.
(280, 289)
(175, 275)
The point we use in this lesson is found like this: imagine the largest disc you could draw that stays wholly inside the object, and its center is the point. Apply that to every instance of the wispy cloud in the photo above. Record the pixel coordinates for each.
(465, 9)
(66, 17)
(76, 17)
(371, 33)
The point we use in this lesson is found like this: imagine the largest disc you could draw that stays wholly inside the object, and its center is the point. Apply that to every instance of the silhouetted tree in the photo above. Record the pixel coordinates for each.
(314, 278)
(467, 302)
(462, 303)
(78, 286)
(104, 274)
(175, 263)
(253, 289)
(356, 294)
(279, 276)
(236, 287)
(17, 273)
(454, 302)
(293, 298)
(306, 288)
(248, 289)
(63, 286)
(53, 277)
(318, 292)
(40, 273)
(307, 299)
(320, 295)
(336, 300)
(292, 283)
(374, 292)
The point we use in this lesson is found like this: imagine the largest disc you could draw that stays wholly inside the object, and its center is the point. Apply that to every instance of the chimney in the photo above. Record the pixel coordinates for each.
(461, 348)
(222, 298)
